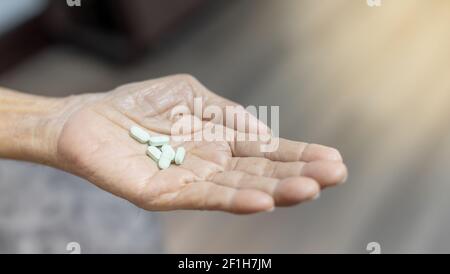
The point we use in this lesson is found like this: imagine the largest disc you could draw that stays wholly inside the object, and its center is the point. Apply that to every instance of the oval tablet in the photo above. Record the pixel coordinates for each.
(179, 155)
(168, 152)
(154, 153)
(164, 162)
(139, 134)
(159, 140)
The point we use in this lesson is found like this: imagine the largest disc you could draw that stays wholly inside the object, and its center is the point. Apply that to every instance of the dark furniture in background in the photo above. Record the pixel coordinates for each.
(120, 30)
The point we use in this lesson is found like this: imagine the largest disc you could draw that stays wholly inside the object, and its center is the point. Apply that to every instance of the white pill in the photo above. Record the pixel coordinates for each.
(154, 153)
(139, 134)
(159, 140)
(164, 162)
(168, 152)
(179, 155)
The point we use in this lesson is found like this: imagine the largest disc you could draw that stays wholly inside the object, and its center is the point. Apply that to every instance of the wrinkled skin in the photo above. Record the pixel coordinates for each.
(229, 176)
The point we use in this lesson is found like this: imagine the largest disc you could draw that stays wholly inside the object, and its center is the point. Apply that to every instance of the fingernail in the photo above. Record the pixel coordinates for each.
(344, 180)
(317, 196)
(270, 209)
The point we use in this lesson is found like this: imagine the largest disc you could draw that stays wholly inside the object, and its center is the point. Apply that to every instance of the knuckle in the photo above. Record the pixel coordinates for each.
(185, 77)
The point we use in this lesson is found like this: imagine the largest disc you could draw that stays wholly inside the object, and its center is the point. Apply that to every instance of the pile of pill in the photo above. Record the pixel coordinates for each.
(159, 149)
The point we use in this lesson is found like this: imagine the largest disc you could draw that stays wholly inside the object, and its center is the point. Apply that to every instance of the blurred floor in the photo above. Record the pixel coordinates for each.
(372, 82)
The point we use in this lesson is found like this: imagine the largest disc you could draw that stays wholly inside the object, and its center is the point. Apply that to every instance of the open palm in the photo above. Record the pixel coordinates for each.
(233, 176)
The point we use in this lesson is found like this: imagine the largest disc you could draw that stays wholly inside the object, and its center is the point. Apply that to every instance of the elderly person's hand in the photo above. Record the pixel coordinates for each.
(88, 135)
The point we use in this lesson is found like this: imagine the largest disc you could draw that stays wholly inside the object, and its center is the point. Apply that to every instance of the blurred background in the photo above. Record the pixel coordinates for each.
(372, 81)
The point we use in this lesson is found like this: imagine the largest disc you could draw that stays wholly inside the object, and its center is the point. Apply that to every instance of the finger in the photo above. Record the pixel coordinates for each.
(287, 150)
(285, 192)
(326, 173)
(210, 196)
(264, 167)
(236, 117)
(230, 111)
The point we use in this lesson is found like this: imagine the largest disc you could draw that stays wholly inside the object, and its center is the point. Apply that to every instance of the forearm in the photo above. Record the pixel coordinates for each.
(29, 126)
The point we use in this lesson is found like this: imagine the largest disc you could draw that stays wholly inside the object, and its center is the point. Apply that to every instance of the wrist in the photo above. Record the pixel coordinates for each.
(30, 126)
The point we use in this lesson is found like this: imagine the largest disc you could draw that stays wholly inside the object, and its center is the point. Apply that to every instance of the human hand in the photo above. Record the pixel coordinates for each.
(92, 141)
